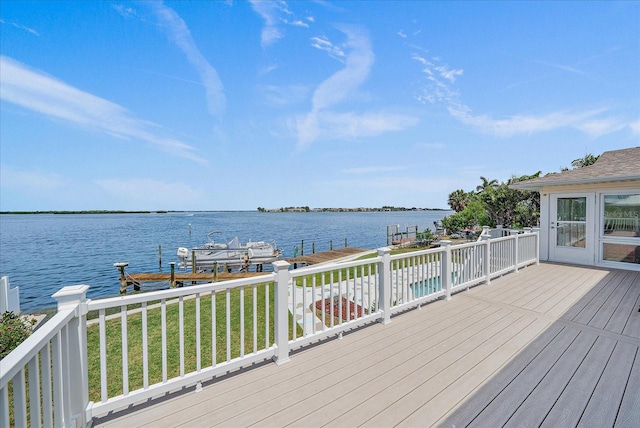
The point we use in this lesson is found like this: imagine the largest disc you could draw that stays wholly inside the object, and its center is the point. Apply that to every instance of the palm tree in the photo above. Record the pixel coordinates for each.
(587, 160)
(458, 200)
(486, 185)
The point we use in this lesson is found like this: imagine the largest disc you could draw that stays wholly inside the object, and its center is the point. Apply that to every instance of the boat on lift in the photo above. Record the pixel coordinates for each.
(232, 255)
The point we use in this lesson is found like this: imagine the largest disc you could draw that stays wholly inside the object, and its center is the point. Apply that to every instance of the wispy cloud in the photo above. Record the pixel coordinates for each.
(635, 127)
(526, 124)
(439, 87)
(178, 32)
(328, 124)
(20, 27)
(36, 91)
(285, 95)
(274, 14)
(323, 44)
(125, 11)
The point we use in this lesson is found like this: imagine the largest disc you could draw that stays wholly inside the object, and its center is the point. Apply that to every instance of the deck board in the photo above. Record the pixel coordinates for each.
(556, 345)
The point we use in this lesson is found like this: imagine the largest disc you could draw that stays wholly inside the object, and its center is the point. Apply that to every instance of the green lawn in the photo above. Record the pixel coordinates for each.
(154, 337)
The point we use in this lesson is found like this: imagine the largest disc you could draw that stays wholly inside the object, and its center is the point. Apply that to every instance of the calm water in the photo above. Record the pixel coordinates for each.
(43, 253)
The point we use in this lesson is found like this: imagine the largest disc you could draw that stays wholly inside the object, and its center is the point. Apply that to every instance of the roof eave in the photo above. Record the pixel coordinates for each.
(537, 186)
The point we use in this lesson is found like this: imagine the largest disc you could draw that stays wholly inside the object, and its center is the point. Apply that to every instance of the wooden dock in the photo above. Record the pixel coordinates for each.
(326, 256)
(178, 279)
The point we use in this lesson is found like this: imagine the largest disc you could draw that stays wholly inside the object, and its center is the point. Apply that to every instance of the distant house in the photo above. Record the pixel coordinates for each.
(591, 215)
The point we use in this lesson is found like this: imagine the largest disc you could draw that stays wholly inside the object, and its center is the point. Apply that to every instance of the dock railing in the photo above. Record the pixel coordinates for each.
(146, 345)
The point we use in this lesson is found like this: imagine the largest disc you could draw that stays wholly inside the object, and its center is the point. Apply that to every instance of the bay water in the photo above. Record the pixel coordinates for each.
(41, 253)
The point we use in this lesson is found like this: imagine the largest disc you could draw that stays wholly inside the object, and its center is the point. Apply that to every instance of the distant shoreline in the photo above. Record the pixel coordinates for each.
(263, 210)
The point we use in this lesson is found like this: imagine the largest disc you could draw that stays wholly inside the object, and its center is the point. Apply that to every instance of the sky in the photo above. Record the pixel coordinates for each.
(235, 105)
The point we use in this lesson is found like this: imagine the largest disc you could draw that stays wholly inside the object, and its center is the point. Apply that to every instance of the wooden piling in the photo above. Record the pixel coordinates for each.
(172, 279)
(160, 256)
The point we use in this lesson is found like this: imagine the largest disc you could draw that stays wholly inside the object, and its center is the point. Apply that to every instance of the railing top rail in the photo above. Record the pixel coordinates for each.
(325, 267)
(17, 358)
(467, 245)
(178, 292)
(417, 253)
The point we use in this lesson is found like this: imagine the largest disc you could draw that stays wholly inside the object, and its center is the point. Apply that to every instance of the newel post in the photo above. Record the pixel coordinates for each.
(384, 284)
(515, 234)
(75, 298)
(281, 308)
(445, 281)
(536, 230)
(486, 239)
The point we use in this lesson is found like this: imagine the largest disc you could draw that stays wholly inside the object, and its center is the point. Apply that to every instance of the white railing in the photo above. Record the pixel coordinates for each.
(152, 343)
(51, 366)
(9, 297)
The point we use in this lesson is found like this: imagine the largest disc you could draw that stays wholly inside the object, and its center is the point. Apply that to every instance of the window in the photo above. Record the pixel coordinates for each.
(572, 222)
(622, 215)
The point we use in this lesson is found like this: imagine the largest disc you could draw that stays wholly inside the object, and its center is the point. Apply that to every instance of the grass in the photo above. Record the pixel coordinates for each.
(211, 351)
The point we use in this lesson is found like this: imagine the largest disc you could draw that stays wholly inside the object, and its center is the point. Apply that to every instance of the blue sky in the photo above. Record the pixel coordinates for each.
(238, 105)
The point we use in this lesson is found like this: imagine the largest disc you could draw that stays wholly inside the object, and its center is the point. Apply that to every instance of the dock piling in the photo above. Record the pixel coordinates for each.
(172, 279)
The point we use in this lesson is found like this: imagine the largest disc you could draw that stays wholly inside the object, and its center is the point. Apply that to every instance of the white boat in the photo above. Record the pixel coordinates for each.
(232, 255)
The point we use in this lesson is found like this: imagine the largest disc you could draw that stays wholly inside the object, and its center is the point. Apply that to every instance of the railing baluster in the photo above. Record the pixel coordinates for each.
(66, 373)
(304, 307)
(198, 338)
(125, 350)
(255, 318)
(4, 407)
(267, 316)
(313, 304)
(103, 356)
(145, 348)
(163, 322)
(241, 322)
(56, 357)
(181, 333)
(19, 399)
(228, 322)
(348, 308)
(340, 309)
(294, 303)
(323, 294)
(47, 395)
(34, 391)
(214, 332)
(332, 315)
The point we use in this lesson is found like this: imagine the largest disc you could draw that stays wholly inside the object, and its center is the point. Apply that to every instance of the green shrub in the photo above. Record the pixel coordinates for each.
(13, 331)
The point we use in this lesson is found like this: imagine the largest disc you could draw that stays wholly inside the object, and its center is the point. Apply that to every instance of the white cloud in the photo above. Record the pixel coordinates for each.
(402, 34)
(358, 64)
(635, 127)
(585, 121)
(179, 33)
(321, 122)
(439, 80)
(125, 11)
(323, 44)
(598, 127)
(275, 13)
(38, 92)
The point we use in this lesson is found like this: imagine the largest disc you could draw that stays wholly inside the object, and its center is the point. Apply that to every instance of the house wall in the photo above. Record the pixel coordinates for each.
(547, 237)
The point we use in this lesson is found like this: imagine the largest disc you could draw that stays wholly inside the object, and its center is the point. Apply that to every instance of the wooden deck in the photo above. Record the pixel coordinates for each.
(553, 345)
